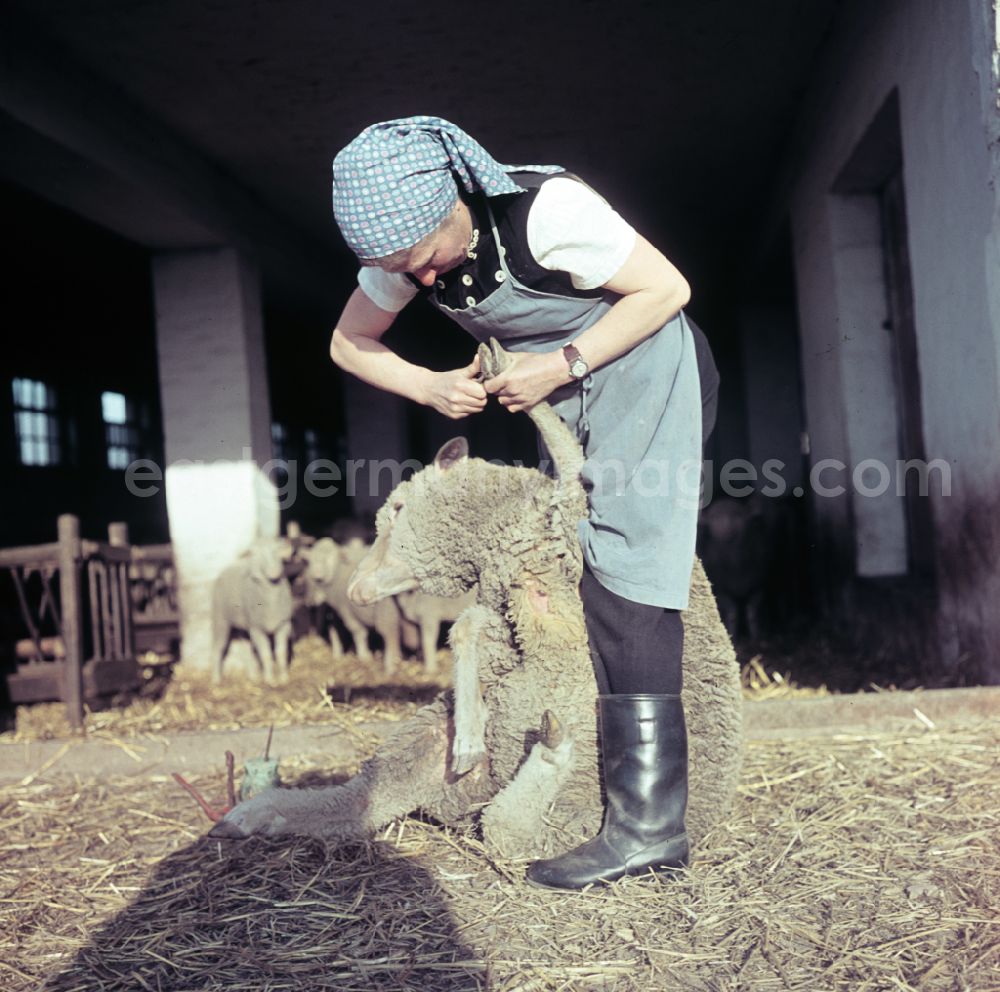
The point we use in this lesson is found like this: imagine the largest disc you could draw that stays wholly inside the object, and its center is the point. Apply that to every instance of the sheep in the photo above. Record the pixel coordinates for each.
(329, 567)
(737, 541)
(427, 613)
(252, 594)
(520, 759)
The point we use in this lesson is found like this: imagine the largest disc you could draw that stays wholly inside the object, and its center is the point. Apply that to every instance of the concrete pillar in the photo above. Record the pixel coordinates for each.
(377, 444)
(216, 424)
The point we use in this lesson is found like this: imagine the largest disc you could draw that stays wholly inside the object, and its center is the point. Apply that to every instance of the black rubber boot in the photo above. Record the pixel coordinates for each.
(644, 747)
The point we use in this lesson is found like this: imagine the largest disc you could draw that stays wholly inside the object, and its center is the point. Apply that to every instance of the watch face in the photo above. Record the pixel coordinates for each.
(578, 369)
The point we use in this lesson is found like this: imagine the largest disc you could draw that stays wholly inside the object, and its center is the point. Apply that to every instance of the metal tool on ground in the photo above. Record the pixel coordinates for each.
(258, 774)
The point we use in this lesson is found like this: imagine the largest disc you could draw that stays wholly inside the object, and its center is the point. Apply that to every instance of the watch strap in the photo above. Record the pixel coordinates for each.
(578, 367)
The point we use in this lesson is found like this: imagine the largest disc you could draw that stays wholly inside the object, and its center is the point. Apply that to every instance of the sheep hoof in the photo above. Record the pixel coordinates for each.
(552, 731)
(492, 360)
(465, 761)
(227, 831)
(254, 816)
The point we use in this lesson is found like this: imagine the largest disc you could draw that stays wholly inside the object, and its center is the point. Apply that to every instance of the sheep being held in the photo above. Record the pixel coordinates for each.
(254, 595)
(514, 746)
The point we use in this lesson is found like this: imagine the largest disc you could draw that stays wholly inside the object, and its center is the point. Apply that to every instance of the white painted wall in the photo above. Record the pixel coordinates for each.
(985, 24)
(868, 371)
(939, 54)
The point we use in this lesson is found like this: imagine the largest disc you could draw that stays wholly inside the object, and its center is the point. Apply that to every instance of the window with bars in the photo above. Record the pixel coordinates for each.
(36, 422)
(123, 429)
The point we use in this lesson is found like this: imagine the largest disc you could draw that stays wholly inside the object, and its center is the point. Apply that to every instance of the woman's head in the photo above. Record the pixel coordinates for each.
(394, 185)
(442, 250)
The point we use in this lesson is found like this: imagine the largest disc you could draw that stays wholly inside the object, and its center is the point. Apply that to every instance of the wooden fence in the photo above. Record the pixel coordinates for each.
(86, 606)
(90, 609)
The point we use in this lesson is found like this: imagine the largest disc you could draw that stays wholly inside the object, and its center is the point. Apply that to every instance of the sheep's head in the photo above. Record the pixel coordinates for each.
(323, 561)
(421, 532)
(268, 560)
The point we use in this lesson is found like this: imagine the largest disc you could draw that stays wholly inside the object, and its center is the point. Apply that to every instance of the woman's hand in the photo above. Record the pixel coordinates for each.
(528, 379)
(457, 393)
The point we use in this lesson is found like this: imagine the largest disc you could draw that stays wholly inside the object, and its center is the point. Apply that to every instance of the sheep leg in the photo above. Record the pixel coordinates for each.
(282, 640)
(555, 435)
(410, 634)
(220, 644)
(514, 822)
(469, 746)
(332, 635)
(392, 652)
(359, 635)
(262, 645)
(407, 772)
(429, 629)
(336, 648)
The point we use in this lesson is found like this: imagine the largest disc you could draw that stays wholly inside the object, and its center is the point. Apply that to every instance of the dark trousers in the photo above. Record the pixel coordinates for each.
(635, 648)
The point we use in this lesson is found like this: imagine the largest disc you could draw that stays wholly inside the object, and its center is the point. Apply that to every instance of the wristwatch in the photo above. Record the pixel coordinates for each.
(578, 368)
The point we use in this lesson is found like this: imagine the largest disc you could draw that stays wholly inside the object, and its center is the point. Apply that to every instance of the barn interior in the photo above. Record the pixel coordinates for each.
(138, 132)
(826, 174)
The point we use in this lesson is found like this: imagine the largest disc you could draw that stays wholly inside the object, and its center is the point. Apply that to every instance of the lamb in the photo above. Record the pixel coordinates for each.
(412, 618)
(254, 595)
(330, 566)
(521, 758)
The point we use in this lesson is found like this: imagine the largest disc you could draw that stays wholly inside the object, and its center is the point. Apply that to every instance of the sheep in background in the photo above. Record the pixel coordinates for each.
(522, 757)
(330, 566)
(737, 541)
(427, 613)
(253, 595)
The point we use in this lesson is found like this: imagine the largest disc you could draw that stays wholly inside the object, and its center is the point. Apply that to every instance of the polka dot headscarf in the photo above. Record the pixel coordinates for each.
(392, 185)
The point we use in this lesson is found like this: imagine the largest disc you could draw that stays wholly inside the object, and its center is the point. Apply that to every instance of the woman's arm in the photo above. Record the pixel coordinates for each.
(356, 346)
(652, 292)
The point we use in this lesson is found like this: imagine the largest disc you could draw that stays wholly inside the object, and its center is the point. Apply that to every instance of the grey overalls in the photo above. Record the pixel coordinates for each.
(639, 421)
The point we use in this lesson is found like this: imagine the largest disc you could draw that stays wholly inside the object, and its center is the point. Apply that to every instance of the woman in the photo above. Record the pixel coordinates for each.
(532, 256)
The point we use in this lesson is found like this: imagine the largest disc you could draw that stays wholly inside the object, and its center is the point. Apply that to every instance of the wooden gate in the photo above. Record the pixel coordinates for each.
(91, 618)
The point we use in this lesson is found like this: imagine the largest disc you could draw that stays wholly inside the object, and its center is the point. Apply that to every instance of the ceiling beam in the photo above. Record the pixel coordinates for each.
(82, 142)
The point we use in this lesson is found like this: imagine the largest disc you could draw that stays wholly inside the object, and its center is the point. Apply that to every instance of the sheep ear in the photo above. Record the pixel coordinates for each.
(452, 452)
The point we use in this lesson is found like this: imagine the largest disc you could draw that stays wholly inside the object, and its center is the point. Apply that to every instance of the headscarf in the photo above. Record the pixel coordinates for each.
(392, 185)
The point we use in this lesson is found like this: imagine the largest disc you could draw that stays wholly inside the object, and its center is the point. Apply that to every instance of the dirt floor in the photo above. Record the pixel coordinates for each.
(852, 861)
(321, 689)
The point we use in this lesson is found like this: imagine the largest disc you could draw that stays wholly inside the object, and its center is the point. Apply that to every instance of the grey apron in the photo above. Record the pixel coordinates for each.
(639, 421)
